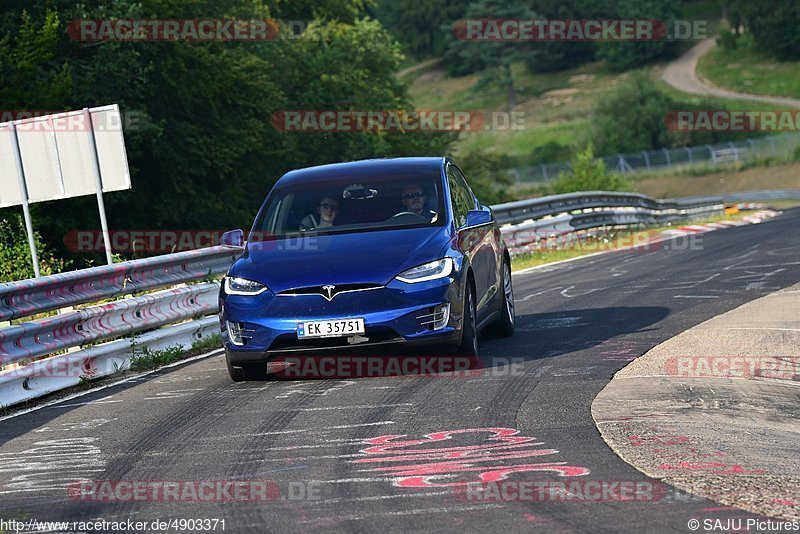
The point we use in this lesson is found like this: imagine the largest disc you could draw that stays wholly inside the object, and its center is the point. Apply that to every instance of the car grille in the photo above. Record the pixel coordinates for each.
(320, 290)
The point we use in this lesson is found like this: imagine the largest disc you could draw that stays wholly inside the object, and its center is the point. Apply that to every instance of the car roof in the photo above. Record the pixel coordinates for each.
(367, 167)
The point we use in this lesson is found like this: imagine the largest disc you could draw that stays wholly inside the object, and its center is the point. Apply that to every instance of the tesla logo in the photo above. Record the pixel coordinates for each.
(329, 291)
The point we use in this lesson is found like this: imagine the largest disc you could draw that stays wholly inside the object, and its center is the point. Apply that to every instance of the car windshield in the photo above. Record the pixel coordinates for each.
(352, 204)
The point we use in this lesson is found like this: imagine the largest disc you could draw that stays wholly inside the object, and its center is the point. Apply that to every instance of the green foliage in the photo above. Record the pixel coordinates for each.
(631, 117)
(727, 39)
(33, 76)
(339, 10)
(210, 342)
(554, 56)
(15, 255)
(551, 151)
(493, 56)
(482, 172)
(145, 358)
(624, 55)
(774, 25)
(589, 174)
(422, 27)
(203, 151)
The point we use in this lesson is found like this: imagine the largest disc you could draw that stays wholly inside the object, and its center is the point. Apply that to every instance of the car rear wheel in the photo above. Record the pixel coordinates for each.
(469, 328)
(504, 326)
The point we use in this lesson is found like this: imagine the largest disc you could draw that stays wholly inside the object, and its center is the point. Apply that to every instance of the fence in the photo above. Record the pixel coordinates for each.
(177, 293)
(775, 146)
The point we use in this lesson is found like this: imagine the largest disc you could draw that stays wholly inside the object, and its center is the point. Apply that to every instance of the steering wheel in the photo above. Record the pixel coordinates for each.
(406, 213)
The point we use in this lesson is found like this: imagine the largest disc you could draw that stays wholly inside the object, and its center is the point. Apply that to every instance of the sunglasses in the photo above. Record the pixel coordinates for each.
(415, 194)
(332, 207)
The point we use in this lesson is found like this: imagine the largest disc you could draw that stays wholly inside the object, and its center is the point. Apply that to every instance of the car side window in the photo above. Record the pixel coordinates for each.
(464, 187)
(460, 197)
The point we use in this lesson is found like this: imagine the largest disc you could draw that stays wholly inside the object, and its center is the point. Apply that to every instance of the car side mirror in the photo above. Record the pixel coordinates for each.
(478, 218)
(232, 239)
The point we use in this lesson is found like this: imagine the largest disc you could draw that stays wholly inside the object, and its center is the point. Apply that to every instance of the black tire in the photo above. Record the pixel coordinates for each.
(246, 372)
(469, 328)
(504, 325)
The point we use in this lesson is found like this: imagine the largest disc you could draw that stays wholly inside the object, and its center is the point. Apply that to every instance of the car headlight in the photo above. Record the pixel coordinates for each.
(427, 271)
(240, 286)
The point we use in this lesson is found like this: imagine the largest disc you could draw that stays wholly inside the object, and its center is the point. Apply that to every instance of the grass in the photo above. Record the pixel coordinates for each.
(730, 180)
(145, 358)
(748, 70)
(600, 241)
(555, 106)
(211, 342)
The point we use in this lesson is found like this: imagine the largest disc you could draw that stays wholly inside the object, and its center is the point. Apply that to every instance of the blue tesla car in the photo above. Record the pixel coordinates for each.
(373, 255)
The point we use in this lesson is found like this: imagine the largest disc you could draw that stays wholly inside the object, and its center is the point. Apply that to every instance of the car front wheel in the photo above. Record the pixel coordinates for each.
(469, 327)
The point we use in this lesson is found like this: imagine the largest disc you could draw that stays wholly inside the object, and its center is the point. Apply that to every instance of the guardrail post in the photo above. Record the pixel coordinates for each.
(666, 153)
(23, 194)
(646, 160)
(711, 155)
(689, 150)
(771, 140)
(101, 206)
(544, 172)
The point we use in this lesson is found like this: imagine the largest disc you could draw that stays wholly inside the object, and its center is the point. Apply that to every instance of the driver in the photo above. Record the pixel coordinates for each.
(413, 199)
(327, 209)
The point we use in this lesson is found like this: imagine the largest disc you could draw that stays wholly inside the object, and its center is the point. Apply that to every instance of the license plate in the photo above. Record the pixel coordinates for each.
(337, 328)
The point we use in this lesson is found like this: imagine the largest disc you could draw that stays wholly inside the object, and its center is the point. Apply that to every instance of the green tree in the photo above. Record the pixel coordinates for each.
(33, 76)
(623, 55)
(631, 117)
(774, 24)
(421, 27)
(588, 174)
(495, 56)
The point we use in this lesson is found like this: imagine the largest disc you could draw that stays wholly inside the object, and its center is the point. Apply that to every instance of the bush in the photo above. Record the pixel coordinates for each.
(15, 255)
(631, 117)
(727, 39)
(588, 174)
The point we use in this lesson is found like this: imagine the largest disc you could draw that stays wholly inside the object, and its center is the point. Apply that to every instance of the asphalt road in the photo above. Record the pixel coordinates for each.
(578, 323)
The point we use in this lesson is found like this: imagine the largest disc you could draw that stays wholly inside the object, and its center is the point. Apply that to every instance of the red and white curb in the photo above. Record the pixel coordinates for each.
(755, 218)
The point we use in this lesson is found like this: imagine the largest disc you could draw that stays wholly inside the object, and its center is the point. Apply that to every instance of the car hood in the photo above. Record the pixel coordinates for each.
(353, 258)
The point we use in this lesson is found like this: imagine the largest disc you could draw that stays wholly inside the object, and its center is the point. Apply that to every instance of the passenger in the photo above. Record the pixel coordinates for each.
(327, 210)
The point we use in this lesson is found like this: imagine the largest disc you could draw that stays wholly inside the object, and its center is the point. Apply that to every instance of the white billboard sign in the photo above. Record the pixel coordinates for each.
(57, 156)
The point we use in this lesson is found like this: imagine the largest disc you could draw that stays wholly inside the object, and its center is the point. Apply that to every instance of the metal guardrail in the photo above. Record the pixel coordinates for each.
(30, 297)
(193, 306)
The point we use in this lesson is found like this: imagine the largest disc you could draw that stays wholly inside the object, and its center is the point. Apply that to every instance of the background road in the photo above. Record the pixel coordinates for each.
(682, 75)
(578, 323)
